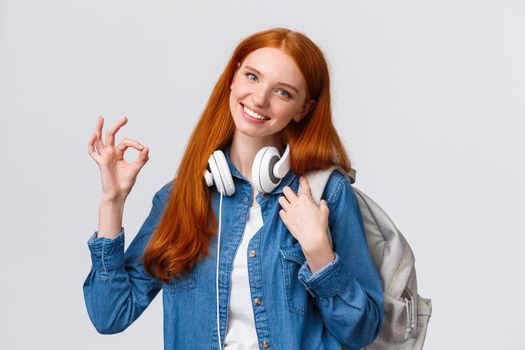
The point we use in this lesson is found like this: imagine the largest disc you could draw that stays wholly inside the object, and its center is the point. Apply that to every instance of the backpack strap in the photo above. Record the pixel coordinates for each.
(318, 179)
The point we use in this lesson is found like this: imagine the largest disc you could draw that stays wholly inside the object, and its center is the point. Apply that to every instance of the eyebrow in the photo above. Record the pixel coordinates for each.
(281, 83)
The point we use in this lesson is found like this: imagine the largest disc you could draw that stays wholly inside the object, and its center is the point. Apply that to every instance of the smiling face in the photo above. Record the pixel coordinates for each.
(269, 83)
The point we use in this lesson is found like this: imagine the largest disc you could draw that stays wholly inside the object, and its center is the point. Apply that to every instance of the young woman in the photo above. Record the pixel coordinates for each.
(277, 283)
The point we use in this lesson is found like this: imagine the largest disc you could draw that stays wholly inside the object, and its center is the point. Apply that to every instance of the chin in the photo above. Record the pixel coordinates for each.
(247, 131)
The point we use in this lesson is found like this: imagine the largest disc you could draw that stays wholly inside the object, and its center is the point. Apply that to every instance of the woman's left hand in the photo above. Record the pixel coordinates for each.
(307, 221)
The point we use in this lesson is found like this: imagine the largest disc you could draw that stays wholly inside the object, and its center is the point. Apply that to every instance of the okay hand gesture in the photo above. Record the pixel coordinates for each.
(118, 176)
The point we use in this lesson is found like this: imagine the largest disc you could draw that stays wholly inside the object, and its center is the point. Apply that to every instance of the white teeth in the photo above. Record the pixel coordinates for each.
(254, 115)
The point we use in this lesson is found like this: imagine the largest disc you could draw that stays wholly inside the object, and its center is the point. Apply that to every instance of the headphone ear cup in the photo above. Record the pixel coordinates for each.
(263, 178)
(220, 173)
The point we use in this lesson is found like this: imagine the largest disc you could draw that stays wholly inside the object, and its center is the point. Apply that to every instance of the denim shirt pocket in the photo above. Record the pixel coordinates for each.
(292, 258)
(186, 281)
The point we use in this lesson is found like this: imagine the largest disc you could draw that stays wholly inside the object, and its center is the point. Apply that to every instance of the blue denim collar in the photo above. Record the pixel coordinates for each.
(286, 181)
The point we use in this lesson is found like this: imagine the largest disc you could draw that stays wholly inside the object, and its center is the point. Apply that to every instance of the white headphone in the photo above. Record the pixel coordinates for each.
(268, 169)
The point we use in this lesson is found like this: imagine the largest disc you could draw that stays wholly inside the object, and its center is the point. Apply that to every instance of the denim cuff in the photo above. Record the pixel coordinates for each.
(328, 281)
(106, 253)
(321, 269)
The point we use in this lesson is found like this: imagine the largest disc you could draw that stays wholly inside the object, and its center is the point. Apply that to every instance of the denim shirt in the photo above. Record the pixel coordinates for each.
(341, 304)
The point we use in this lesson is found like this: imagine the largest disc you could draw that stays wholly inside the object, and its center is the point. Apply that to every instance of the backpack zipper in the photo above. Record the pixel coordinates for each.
(411, 317)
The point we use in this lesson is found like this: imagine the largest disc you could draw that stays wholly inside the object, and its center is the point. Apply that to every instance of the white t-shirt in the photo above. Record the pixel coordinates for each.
(241, 333)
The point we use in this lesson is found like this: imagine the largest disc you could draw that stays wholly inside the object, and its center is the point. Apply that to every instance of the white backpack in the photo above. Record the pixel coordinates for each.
(406, 312)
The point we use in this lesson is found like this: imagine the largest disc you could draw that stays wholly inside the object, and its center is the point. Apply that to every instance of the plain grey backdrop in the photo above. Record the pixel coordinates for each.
(428, 97)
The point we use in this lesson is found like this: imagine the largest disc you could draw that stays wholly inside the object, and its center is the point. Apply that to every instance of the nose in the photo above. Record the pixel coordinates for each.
(260, 96)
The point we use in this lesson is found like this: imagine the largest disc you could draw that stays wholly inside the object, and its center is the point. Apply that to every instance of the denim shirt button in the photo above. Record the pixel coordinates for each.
(252, 253)
(265, 343)
(257, 301)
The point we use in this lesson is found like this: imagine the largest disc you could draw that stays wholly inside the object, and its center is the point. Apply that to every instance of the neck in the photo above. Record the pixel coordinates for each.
(244, 148)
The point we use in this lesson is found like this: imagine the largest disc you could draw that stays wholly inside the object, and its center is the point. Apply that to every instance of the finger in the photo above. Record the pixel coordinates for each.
(99, 146)
(110, 134)
(91, 143)
(290, 194)
(282, 214)
(98, 131)
(125, 143)
(92, 151)
(284, 202)
(305, 186)
(143, 156)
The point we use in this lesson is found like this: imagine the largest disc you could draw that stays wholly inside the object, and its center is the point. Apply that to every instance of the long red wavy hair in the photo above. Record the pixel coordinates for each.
(188, 221)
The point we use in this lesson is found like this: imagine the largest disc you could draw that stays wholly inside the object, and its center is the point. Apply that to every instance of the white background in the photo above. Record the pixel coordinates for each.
(428, 97)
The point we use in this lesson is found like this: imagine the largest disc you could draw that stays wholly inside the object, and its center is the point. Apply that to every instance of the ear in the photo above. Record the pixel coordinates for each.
(304, 111)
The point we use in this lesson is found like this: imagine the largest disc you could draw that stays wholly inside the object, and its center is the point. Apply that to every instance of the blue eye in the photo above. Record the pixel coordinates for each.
(287, 94)
(248, 75)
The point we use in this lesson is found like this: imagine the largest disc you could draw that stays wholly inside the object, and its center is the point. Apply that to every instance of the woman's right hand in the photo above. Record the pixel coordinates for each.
(118, 176)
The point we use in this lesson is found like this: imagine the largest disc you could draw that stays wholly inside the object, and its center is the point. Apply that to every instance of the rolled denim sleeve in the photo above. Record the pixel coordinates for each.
(348, 290)
(308, 274)
(106, 253)
(322, 282)
(118, 289)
